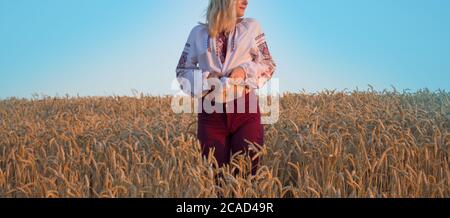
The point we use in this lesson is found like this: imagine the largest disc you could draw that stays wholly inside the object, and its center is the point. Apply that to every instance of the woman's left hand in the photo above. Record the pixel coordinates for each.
(238, 74)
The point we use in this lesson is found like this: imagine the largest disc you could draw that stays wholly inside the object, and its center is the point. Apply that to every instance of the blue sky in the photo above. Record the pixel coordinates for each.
(106, 47)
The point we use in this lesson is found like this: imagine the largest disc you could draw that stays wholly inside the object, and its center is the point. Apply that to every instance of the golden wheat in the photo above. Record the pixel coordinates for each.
(328, 144)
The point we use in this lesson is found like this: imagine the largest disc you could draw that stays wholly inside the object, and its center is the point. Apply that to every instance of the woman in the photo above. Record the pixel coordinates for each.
(228, 53)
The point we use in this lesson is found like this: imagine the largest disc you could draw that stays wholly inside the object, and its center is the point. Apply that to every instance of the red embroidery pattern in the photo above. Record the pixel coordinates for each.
(182, 61)
(260, 36)
(269, 72)
(222, 44)
(264, 49)
(267, 58)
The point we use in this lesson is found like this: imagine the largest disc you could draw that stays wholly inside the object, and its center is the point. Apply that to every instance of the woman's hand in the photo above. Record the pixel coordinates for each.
(214, 75)
(238, 74)
(237, 77)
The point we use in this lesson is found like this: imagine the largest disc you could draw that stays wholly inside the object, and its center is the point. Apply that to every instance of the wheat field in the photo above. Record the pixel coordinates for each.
(327, 144)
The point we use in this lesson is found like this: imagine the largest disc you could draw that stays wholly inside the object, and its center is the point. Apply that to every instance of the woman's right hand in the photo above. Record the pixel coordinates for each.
(214, 75)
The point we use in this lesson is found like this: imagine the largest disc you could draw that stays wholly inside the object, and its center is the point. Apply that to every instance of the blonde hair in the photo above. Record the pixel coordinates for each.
(221, 16)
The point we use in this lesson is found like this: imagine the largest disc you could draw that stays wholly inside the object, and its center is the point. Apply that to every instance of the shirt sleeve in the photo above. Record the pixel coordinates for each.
(192, 79)
(262, 67)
